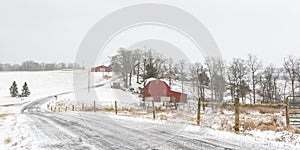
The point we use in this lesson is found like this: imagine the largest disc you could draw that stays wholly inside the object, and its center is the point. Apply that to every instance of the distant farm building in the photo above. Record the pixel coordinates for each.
(160, 91)
(101, 68)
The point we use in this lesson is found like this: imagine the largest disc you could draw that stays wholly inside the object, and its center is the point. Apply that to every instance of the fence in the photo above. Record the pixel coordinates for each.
(292, 110)
(291, 117)
(64, 106)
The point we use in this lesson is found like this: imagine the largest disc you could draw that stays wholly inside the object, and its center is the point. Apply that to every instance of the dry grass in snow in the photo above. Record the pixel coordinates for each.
(3, 115)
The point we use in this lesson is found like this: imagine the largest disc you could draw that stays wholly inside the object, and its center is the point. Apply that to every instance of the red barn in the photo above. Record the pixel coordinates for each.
(160, 91)
(101, 68)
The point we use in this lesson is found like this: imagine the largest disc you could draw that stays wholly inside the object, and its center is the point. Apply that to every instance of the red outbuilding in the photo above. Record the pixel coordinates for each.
(160, 91)
(101, 68)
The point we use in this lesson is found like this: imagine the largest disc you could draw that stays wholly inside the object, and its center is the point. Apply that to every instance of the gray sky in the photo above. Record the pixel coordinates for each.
(51, 30)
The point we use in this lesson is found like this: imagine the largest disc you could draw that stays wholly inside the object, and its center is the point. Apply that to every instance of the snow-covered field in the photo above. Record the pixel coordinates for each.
(43, 83)
(16, 132)
(40, 83)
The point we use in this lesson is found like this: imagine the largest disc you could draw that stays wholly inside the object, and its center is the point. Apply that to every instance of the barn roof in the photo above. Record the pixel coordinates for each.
(101, 66)
(152, 79)
(173, 88)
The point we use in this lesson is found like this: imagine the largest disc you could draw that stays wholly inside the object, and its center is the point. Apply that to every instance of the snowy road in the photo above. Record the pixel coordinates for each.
(101, 131)
(89, 130)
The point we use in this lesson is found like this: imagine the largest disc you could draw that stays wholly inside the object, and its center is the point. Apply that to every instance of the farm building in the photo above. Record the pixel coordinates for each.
(160, 91)
(101, 68)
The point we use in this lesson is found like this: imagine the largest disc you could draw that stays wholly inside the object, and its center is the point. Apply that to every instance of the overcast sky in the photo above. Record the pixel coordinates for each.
(51, 30)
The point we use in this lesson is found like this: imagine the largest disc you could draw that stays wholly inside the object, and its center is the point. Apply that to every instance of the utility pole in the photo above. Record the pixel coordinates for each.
(198, 111)
(153, 109)
(237, 115)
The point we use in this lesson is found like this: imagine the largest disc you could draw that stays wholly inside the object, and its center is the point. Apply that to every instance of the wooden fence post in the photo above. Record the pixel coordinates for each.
(82, 107)
(116, 107)
(66, 109)
(153, 109)
(94, 106)
(198, 111)
(73, 107)
(203, 105)
(237, 115)
(287, 112)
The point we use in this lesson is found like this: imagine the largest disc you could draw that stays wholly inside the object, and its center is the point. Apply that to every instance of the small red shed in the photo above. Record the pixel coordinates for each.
(160, 91)
(101, 68)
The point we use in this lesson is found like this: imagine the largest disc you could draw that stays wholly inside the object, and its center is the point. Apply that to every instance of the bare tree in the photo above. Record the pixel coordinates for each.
(236, 74)
(139, 56)
(244, 89)
(133, 63)
(290, 67)
(216, 70)
(170, 71)
(202, 80)
(263, 85)
(284, 77)
(269, 87)
(220, 80)
(181, 68)
(124, 63)
(211, 65)
(275, 86)
(193, 74)
(298, 73)
(254, 65)
(270, 84)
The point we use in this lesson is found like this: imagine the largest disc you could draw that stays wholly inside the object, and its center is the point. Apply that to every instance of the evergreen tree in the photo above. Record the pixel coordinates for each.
(25, 90)
(14, 90)
(151, 71)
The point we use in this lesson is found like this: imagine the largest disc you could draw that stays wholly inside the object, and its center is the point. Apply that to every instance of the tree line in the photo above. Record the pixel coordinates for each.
(34, 66)
(214, 79)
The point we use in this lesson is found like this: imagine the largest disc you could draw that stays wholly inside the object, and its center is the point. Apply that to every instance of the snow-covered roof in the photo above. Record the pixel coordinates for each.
(153, 79)
(174, 87)
(149, 80)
